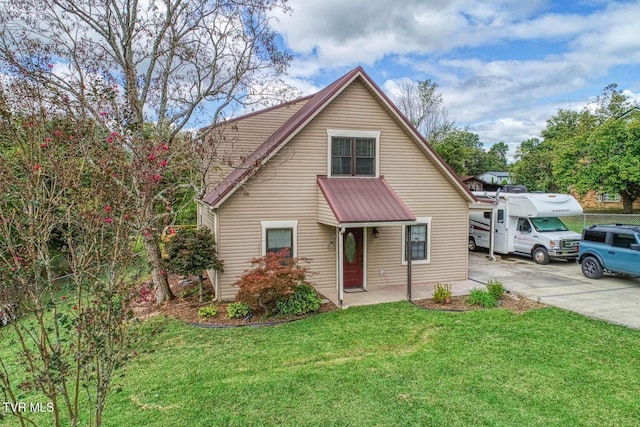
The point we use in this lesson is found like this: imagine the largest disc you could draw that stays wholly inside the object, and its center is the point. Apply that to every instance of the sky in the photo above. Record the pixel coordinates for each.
(503, 67)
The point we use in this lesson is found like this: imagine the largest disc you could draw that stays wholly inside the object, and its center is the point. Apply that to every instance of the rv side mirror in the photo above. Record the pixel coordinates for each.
(635, 246)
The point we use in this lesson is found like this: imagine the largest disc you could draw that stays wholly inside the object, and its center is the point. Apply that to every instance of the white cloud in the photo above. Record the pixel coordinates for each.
(504, 67)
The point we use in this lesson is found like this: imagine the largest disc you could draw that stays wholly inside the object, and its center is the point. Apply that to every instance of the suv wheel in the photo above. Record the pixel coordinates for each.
(540, 255)
(591, 268)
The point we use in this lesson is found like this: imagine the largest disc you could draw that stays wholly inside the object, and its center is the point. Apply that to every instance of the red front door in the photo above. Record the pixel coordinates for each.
(352, 259)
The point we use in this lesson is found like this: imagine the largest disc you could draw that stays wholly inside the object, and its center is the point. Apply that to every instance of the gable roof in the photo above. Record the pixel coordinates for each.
(302, 117)
(364, 200)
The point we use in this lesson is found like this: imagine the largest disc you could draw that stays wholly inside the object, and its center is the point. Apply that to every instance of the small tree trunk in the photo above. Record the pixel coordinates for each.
(201, 294)
(158, 276)
(627, 203)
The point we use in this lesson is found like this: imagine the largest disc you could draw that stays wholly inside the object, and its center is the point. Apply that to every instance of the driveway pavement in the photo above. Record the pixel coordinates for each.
(561, 284)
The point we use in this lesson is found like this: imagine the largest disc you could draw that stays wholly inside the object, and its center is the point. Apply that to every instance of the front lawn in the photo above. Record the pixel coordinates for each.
(389, 364)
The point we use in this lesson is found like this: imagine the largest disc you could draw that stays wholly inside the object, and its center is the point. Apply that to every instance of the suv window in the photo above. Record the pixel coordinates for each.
(595, 236)
(622, 240)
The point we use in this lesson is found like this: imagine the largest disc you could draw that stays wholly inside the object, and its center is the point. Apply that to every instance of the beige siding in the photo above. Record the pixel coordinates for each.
(325, 214)
(288, 191)
(237, 139)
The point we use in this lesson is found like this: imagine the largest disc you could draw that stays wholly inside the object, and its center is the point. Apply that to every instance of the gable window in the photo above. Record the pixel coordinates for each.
(279, 235)
(353, 153)
(420, 242)
(353, 156)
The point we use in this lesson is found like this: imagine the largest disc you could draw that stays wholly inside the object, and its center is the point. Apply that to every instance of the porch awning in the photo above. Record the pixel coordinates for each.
(360, 202)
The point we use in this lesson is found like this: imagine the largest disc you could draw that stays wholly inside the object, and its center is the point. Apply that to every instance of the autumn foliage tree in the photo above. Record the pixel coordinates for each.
(270, 279)
(62, 175)
(147, 71)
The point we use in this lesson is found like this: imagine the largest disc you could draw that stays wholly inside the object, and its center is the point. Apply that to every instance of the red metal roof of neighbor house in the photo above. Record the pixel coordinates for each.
(304, 115)
(355, 200)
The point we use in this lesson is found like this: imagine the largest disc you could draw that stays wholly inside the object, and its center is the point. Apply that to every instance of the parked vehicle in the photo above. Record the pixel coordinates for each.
(610, 248)
(525, 223)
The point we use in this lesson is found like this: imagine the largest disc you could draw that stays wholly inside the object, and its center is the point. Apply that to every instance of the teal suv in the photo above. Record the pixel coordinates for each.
(610, 248)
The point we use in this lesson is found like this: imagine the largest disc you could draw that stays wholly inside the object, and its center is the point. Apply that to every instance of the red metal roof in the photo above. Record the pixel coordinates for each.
(355, 200)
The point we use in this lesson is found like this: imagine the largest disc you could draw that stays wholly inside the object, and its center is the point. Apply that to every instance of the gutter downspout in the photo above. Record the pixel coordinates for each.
(340, 267)
(409, 257)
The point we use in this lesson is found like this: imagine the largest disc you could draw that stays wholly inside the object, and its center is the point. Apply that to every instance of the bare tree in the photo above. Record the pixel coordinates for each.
(424, 107)
(147, 70)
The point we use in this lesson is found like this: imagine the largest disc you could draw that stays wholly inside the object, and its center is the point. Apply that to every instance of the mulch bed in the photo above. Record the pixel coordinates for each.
(186, 306)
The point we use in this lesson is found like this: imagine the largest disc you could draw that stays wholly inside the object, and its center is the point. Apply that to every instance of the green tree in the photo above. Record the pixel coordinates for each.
(533, 166)
(462, 150)
(610, 161)
(496, 157)
(190, 252)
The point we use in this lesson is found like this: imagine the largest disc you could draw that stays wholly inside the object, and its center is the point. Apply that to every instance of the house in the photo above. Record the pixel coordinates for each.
(473, 183)
(601, 202)
(493, 177)
(340, 177)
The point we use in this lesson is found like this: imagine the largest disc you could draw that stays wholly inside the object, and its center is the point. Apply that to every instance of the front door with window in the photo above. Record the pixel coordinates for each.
(353, 258)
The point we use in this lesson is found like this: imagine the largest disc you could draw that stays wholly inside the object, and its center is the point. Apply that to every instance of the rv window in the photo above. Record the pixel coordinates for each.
(500, 216)
(487, 215)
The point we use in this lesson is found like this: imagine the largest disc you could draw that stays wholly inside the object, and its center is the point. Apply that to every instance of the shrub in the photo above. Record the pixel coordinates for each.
(238, 310)
(482, 298)
(442, 293)
(271, 278)
(304, 300)
(495, 288)
(208, 311)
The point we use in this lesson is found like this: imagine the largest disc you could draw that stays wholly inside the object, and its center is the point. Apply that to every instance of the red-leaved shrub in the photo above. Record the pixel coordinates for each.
(271, 278)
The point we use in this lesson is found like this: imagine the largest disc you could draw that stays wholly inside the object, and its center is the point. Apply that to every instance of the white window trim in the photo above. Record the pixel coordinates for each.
(293, 224)
(354, 134)
(420, 221)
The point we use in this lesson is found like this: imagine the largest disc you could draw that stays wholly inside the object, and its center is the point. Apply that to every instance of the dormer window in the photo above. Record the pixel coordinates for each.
(353, 153)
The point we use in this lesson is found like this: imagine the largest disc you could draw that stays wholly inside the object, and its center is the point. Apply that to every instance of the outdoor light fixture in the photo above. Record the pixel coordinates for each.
(376, 233)
(331, 247)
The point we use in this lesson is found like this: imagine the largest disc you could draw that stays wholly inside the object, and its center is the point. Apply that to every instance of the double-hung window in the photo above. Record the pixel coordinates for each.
(420, 238)
(278, 236)
(353, 153)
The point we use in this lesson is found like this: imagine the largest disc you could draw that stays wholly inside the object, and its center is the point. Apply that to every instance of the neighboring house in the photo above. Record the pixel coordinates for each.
(595, 201)
(338, 177)
(473, 183)
(493, 177)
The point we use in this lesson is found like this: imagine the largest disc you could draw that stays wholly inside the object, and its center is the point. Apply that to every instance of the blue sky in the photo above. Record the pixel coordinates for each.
(503, 67)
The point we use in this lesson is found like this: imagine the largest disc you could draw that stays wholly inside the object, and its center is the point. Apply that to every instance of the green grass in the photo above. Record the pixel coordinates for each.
(390, 364)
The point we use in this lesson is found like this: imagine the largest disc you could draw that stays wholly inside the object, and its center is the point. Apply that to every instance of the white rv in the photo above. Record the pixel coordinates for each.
(525, 223)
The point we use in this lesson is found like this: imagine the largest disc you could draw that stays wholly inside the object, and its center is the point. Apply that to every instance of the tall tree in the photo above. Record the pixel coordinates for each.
(533, 166)
(610, 161)
(462, 150)
(496, 157)
(424, 107)
(127, 63)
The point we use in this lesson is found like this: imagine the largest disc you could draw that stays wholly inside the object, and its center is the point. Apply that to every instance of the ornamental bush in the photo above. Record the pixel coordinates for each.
(442, 293)
(495, 288)
(304, 300)
(270, 279)
(238, 310)
(482, 298)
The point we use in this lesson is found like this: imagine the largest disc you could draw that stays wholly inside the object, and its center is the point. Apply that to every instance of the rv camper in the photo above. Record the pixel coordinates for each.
(526, 224)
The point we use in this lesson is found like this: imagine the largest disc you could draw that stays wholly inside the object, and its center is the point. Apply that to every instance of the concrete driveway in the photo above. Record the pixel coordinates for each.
(561, 284)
